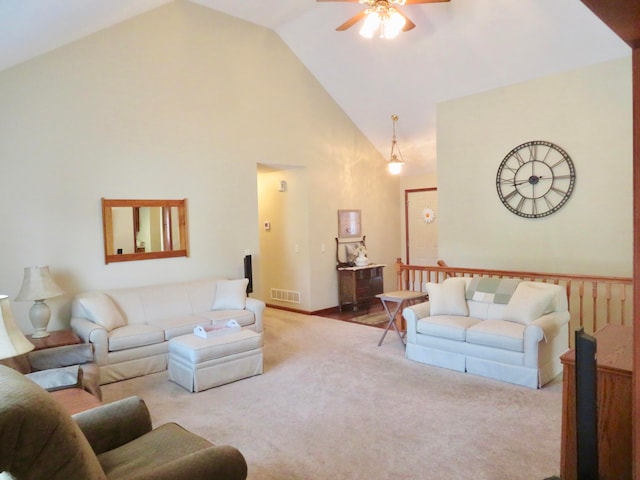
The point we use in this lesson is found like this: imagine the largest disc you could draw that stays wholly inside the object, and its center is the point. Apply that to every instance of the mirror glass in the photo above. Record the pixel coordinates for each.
(144, 229)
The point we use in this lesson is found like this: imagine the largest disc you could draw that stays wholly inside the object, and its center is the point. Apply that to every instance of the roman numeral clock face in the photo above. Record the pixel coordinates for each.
(535, 179)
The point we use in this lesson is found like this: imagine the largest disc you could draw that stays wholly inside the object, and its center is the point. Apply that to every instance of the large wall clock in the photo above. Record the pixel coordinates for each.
(535, 179)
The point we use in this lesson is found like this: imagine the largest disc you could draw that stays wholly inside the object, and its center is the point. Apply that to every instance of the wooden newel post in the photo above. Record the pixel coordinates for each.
(399, 272)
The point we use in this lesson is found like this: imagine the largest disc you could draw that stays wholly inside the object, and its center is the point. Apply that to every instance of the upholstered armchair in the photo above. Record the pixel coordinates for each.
(39, 440)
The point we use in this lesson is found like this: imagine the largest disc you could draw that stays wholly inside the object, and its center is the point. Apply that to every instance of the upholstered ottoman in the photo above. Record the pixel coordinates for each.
(197, 363)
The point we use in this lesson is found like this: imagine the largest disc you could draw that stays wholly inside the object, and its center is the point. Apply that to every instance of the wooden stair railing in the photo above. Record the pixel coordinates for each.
(594, 301)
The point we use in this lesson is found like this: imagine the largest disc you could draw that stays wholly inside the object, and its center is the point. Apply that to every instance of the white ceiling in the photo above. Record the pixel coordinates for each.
(457, 48)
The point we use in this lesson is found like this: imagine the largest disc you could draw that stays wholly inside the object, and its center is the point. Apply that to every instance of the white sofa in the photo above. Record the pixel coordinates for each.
(130, 328)
(507, 329)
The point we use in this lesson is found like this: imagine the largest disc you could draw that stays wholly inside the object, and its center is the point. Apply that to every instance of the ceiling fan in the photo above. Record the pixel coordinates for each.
(382, 15)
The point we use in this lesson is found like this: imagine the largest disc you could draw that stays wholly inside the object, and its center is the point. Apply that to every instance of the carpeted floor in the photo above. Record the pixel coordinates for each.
(333, 405)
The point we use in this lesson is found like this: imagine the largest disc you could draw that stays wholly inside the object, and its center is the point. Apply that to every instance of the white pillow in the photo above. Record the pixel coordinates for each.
(100, 309)
(448, 297)
(231, 294)
(529, 302)
(351, 252)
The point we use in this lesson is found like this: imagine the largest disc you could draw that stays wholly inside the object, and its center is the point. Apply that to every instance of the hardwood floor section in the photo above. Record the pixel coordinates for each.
(349, 315)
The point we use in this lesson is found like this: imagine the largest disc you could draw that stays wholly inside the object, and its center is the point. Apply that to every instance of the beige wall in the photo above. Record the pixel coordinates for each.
(588, 112)
(180, 102)
(284, 247)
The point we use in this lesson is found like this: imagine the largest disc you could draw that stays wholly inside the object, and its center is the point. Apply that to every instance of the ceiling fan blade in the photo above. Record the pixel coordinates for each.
(409, 25)
(352, 21)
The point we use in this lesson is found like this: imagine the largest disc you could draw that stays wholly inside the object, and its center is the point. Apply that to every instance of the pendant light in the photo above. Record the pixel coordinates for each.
(395, 159)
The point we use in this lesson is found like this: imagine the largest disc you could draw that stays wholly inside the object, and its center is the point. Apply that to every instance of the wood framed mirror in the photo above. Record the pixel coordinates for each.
(144, 229)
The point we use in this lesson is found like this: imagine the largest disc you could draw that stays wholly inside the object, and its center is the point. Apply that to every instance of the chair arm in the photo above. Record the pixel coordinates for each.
(219, 461)
(95, 334)
(91, 379)
(114, 424)
(546, 327)
(412, 314)
(57, 378)
(257, 307)
(61, 356)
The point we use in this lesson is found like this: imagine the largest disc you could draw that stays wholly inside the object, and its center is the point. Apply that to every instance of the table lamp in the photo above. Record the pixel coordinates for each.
(12, 340)
(38, 285)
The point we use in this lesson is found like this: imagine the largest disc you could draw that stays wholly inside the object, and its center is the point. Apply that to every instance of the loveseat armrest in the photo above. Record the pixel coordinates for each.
(412, 314)
(550, 329)
(114, 424)
(217, 461)
(257, 307)
(546, 327)
(95, 334)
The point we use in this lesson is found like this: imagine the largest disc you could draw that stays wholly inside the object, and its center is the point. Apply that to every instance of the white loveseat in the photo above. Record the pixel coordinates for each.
(506, 329)
(130, 328)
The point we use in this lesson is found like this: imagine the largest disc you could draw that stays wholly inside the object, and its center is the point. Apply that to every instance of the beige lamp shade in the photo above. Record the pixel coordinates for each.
(12, 340)
(38, 284)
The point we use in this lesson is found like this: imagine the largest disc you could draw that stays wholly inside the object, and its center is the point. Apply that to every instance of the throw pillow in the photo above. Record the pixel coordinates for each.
(231, 294)
(529, 302)
(448, 297)
(350, 250)
(100, 309)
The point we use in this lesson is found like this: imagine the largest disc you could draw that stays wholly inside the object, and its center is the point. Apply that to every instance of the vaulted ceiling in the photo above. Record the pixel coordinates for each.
(457, 49)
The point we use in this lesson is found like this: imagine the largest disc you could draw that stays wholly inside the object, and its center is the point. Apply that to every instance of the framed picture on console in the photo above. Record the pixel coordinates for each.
(349, 224)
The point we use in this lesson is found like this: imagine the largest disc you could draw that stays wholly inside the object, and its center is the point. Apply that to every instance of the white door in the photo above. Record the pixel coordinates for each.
(422, 226)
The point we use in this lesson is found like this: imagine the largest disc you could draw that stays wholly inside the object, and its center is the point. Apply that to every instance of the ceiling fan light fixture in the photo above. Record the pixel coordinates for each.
(383, 19)
(392, 24)
(371, 24)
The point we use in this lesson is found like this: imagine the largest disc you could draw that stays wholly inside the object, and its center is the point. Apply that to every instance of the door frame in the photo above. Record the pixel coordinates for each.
(406, 216)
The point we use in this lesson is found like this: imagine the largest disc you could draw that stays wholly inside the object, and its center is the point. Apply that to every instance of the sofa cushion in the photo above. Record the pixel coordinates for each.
(180, 325)
(530, 301)
(164, 302)
(231, 294)
(243, 317)
(492, 290)
(497, 334)
(447, 298)
(452, 327)
(201, 293)
(100, 309)
(132, 336)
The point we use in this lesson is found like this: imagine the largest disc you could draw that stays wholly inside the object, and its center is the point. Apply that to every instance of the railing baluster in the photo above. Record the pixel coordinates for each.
(608, 300)
(581, 297)
(594, 296)
(623, 298)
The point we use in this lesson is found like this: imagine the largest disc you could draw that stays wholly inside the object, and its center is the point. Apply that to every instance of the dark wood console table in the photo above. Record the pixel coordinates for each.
(614, 364)
(358, 285)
